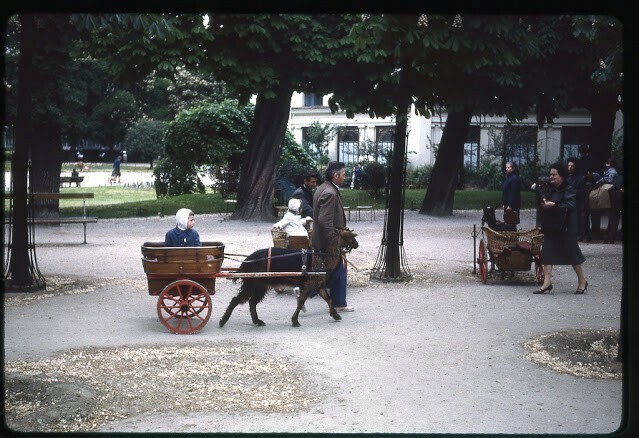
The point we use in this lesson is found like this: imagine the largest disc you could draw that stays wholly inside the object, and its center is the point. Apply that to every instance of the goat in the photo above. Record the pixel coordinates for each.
(254, 289)
(489, 218)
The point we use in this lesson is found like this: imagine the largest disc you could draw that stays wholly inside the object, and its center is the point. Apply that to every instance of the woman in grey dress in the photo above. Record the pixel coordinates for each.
(559, 225)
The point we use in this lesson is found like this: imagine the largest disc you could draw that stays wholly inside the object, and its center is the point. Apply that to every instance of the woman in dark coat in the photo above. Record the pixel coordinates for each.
(559, 225)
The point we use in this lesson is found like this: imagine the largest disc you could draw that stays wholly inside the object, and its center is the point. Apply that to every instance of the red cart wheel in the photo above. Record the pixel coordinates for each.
(184, 306)
(539, 270)
(482, 260)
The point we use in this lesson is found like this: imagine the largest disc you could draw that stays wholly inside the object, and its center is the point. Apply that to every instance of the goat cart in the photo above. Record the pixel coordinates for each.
(183, 279)
(509, 251)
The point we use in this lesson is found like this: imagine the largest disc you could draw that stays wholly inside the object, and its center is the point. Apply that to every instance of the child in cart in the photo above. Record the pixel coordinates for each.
(183, 233)
(293, 223)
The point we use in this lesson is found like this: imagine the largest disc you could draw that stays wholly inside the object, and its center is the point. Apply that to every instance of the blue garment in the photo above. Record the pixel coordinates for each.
(511, 192)
(611, 176)
(178, 237)
(337, 285)
(305, 195)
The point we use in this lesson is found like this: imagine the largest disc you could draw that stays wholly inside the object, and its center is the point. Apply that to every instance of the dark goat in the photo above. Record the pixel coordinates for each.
(274, 260)
(489, 218)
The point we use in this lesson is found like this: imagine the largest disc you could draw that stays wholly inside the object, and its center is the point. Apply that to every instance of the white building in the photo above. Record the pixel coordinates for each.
(559, 140)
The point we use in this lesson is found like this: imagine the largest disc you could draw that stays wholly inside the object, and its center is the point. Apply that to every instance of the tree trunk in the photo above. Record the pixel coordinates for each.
(20, 267)
(257, 177)
(440, 192)
(603, 111)
(392, 259)
(46, 164)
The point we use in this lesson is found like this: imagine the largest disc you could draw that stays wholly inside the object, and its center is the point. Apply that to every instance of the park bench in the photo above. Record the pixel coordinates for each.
(71, 179)
(59, 220)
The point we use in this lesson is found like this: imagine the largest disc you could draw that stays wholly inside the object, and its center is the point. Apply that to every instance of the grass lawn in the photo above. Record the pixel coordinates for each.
(122, 202)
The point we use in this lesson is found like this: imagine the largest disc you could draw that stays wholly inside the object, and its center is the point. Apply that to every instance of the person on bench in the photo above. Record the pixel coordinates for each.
(183, 234)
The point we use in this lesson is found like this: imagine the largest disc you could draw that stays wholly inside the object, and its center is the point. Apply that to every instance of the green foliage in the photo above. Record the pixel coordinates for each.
(418, 176)
(144, 140)
(114, 115)
(491, 177)
(374, 178)
(174, 178)
(291, 151)
(211, 134)
(190, 89)
(317, 141)
(225, 181)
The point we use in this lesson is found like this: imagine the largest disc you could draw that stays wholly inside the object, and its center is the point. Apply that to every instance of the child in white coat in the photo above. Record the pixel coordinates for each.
(293, 223)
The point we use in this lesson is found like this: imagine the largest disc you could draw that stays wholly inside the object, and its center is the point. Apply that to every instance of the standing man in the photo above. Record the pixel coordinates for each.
(305, 193)
(328, 215)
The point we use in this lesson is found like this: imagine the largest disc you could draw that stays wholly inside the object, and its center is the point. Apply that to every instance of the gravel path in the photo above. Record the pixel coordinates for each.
(442, 353)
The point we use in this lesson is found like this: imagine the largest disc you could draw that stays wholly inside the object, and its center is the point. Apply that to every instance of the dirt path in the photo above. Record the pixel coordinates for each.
(443, 353)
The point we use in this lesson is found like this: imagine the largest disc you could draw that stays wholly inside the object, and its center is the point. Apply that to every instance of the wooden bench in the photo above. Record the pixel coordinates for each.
(71, 179)
(84, 219)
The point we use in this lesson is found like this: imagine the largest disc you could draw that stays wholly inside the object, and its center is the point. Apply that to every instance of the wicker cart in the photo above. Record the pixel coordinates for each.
(509, 251)
(281, 239)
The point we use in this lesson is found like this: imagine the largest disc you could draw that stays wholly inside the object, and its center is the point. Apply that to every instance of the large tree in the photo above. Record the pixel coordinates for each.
(271, 56)
(267, 55)
(585, 69)
(429, 61)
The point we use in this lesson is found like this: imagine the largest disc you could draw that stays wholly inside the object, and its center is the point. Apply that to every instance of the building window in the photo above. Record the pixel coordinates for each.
(312, 99)
(520, 144)
(471, 148)
(571, 138)
(385, 140)
(347, 144)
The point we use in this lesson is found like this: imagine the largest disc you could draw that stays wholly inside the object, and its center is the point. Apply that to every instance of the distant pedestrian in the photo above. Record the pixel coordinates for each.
(115, 175)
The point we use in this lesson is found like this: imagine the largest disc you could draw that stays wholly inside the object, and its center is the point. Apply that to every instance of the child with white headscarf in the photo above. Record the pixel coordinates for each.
(183, 234)
(293, 223)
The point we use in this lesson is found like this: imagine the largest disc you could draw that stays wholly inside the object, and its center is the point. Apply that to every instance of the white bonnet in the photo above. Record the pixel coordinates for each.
(182, 217)
(294, 205)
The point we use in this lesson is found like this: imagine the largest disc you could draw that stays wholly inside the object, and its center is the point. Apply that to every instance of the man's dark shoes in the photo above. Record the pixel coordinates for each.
(543, 291)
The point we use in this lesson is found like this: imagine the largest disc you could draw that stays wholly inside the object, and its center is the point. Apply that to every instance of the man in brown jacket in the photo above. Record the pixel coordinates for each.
(328, 215)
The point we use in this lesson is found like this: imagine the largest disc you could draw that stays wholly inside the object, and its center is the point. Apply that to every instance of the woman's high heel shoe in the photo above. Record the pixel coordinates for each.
(581, 291)
(543, 291)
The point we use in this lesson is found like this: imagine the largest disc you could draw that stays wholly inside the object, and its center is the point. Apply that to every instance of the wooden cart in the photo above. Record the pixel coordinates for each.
(509, 251)
(183, 279)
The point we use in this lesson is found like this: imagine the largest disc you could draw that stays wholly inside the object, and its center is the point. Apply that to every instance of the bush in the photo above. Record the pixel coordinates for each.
(374, 178)
(419, 176)
(172, 179)
(490, 175)
(225, 181)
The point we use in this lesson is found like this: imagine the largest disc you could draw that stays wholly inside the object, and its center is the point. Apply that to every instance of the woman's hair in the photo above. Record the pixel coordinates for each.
(561, 169)
(612, 162)
(333, 168)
